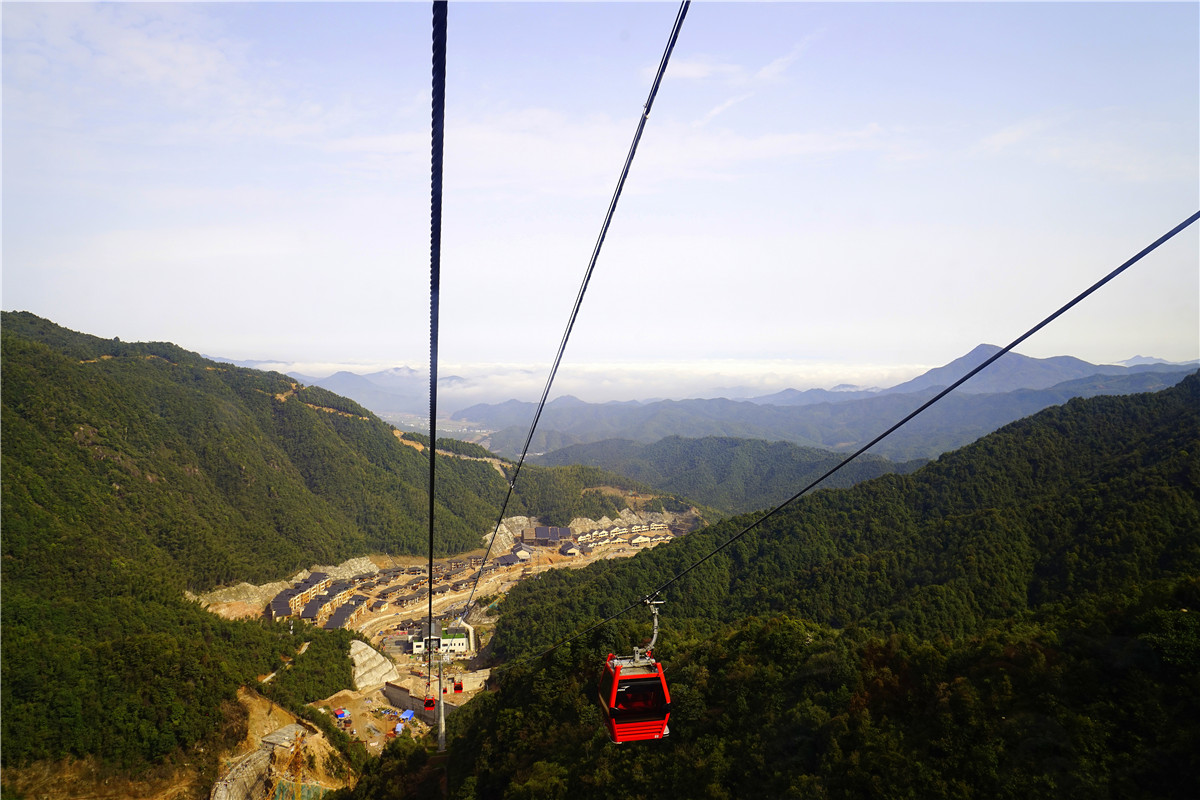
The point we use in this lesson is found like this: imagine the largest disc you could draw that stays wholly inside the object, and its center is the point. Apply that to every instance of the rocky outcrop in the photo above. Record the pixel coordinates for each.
(347, 569)
(628, 518)
(509, 532)
(372, 669)
(242, 593)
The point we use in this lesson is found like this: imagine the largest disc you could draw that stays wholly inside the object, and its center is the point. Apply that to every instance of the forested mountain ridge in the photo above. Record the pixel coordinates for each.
(732, 475)
(1015, 619)
(132, 471)
(223, 472)
(150, 452)
(1080, 498)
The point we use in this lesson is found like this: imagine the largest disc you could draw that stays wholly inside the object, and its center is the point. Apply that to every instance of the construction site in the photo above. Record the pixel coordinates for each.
(398, 689)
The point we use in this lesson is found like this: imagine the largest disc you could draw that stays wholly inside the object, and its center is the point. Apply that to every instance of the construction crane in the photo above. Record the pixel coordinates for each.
(296, 763)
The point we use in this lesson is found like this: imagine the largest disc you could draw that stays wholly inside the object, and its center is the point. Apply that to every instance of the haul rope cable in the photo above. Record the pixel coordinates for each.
(924, 406)
(587, 276)
(438, 123)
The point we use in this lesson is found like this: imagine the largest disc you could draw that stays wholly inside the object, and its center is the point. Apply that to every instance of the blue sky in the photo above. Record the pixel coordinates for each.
(824, 193)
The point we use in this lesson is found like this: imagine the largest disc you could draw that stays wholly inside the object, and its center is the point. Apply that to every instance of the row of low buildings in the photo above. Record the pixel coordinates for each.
(566, 543)
(337, 604)
(620, 534)
(322, 601)
(340, 605)
(291, 601)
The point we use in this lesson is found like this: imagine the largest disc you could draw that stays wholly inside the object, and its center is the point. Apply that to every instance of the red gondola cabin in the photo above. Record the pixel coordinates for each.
(635, 699)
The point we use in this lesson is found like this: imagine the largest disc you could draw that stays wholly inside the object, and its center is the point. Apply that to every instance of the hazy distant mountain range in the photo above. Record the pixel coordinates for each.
(1013, 387)
(840, 418)
(390, 391)
(404, 390)
(1008, 374)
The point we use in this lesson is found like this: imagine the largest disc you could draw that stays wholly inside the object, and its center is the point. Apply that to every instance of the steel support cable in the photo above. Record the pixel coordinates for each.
(587, 276)
(924, 406)
(437, 129)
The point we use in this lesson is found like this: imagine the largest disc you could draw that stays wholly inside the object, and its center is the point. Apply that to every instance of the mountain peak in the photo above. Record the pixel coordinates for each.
(567, 400)
(1140, 360)
(981, 351)
(1013, 371)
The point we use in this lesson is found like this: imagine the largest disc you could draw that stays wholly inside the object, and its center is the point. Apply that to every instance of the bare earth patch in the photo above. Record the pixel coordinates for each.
(235, 610)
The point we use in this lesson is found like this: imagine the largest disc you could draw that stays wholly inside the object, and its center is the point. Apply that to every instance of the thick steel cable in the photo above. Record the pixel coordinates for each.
(435, 263)
(924, 406)
(587, 276)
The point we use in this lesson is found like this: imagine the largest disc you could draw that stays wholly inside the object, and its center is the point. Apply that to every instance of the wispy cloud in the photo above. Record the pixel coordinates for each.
(1120, 159)
(153, 75)
(773, 71)
(691, 152)
(721, 108)
(547, 153)
(1010, 136)
(699, 67)
(703, 67)
(170, 49)
(1105, 144)
(780, 65)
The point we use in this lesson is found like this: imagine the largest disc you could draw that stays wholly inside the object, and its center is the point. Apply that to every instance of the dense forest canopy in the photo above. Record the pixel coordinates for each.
(1080, 499)
(149, 452)
(732, 475)
(221, 472)
(134, 471)
(1018, 618)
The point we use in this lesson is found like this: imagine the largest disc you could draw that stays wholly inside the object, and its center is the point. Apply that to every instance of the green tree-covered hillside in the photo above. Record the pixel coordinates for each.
(149, 452)
(1079, 499)
(134, 471)
(1016, 619)
(731, 475)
